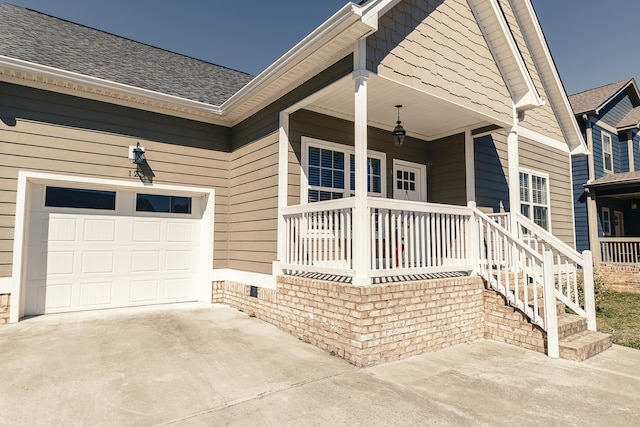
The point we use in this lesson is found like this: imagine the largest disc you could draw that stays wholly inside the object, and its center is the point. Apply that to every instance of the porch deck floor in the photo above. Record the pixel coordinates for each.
(381, 280)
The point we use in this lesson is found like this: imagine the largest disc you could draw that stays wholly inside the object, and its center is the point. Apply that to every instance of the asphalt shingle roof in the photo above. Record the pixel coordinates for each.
(616, 178)
(43, 39)
(591, 99)
(630, 120)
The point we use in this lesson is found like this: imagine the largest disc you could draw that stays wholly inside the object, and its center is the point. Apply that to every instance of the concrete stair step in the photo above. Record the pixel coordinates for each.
(583, 345)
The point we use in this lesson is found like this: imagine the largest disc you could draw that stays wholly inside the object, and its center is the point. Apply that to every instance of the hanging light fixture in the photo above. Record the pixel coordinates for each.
(399, 132)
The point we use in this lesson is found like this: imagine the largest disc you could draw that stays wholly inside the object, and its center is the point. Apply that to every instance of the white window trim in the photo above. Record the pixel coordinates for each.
(544, 175)
(604, 230)
(604, 134)
(347, 149)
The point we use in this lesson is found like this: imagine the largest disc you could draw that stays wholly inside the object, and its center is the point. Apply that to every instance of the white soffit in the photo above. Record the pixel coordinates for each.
(506, 53)
(329, 42)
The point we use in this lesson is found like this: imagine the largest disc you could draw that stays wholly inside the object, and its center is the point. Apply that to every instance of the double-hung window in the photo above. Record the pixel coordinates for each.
(607, 152)
(534, 197)
(329, 170)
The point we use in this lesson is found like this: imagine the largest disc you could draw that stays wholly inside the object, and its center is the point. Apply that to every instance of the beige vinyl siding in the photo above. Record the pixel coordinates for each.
(538, 157)
(267, 120)
(541, 119)
(438, 48)
(59, 134)
(253, 206)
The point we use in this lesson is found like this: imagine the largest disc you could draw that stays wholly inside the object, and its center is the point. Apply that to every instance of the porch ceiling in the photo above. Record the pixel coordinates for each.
(423, 116)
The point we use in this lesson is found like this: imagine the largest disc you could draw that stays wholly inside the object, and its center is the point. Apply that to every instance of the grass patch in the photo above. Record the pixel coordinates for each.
(618, 314)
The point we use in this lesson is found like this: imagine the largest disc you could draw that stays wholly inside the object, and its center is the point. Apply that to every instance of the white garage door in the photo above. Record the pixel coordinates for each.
(95, 249)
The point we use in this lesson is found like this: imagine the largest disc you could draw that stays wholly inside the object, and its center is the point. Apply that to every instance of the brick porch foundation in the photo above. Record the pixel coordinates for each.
(621, 278)
(386, 322)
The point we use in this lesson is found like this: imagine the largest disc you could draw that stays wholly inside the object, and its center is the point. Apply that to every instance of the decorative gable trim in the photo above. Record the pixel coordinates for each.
(496, 31)
(549, 75)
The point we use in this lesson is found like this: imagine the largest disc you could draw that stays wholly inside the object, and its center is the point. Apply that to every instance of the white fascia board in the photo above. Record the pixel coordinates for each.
(530, 98)
(107, 85)
(373, 10)
(566, 118)
(342, 19)
(543, 139)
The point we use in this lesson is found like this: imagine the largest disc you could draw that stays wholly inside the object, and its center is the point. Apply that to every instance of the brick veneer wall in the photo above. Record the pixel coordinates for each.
(621, 278)
(5, 306)
(371, 324)
(506, 324)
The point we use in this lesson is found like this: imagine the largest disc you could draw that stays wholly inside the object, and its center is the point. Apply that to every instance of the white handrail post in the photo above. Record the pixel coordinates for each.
(589, 290)
(550, 311)
(473, 244)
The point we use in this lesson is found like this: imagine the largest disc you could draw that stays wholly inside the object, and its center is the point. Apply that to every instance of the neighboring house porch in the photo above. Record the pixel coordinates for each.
(617, 256)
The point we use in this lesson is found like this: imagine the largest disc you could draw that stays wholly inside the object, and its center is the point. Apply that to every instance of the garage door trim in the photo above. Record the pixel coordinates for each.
(26, 182)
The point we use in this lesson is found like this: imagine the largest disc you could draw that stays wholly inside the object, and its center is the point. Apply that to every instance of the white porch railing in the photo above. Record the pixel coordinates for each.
(404, 238)
(620, 250)
(319, 237)
(532, 268)
(417, 238)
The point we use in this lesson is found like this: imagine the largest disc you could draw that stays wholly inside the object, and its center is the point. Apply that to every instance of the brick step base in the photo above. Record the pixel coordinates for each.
(570, 324)
(575, 341)
(584, 345)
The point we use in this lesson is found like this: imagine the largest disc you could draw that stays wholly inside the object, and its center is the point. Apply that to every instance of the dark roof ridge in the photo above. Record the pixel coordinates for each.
(124, 38)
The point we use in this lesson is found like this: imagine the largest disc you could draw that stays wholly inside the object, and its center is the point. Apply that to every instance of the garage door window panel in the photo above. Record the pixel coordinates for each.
(163, 204)
(61, 197)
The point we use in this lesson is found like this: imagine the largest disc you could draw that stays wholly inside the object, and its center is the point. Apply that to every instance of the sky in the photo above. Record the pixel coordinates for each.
(592, 41)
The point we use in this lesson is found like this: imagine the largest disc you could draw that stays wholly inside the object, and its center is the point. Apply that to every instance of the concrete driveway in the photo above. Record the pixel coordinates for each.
(197, 365)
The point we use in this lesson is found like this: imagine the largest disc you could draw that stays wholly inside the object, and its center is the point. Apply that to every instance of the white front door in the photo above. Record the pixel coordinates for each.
(409, 181)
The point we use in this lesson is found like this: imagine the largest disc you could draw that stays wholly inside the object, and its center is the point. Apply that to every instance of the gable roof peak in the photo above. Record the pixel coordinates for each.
(593, 100)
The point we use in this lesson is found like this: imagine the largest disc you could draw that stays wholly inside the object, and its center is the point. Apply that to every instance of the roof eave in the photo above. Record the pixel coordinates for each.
(14, 70)
(628, 127)
(344, 28)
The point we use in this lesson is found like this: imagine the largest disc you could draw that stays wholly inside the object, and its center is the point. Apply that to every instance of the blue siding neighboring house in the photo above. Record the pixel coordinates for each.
(606, 182)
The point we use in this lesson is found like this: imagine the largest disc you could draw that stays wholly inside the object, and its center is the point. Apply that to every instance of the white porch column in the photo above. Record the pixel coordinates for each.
(360, 215)
(283, 182)
(514, 174)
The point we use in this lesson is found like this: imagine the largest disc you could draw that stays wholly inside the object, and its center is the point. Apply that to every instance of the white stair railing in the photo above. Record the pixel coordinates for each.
(511, 268)
(522, 275)
(573, 272)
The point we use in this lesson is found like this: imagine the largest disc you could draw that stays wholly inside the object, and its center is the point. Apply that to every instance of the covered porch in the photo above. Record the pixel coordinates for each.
(348, 214)
(615, 233)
